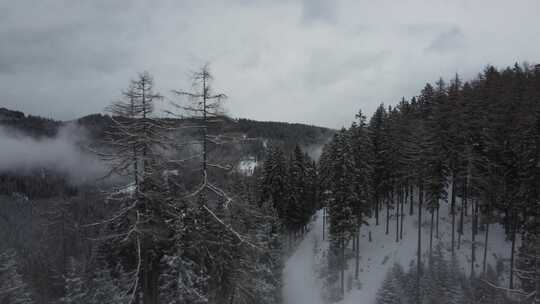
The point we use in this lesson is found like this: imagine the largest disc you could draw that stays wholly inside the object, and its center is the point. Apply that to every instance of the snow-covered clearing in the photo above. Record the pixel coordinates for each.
(300, 282)
(303, 284)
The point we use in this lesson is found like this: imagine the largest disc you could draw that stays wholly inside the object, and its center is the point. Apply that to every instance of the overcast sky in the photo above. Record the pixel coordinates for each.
(311, 61)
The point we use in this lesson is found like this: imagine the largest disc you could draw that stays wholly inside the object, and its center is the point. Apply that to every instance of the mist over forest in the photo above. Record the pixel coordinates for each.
(269, 152)
(135, 206)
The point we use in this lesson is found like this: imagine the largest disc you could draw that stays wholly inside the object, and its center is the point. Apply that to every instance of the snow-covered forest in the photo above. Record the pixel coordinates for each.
(148, 206)
(431, 200)
(269, 152)
(457, 165)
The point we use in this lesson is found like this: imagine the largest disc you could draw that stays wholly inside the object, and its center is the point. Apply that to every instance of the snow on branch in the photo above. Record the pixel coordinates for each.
(228, 227)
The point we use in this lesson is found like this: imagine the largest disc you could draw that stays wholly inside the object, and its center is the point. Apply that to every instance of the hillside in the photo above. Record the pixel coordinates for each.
(281, 133)
(60, 148)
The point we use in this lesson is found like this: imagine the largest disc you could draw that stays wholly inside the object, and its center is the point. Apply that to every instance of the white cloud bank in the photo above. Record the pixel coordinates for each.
(62, 153)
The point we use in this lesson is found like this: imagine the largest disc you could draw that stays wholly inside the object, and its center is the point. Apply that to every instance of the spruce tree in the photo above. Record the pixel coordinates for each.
(376, 126)
(361, 150)
(341, 202)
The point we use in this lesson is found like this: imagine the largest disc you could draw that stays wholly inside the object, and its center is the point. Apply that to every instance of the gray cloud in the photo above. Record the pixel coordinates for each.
(326, 68)
(447, 41)
(320, 10)
(65, 39)
(311, 61)
(62, 154)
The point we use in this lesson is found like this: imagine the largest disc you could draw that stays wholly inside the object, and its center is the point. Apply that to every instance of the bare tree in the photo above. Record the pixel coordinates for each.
(203, 110)
(136, 141)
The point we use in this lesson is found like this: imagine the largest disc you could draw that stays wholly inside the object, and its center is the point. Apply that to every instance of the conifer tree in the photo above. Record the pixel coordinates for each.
(376, 126)
(298, 206)
(274, 187)
(361, 151)
(13, 288)
(143, 219)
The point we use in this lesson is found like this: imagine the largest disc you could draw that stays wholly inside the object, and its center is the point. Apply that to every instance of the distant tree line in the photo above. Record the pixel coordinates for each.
(30, 125)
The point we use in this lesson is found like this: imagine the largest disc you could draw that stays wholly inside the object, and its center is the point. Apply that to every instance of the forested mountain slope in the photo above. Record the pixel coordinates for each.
(246, 146)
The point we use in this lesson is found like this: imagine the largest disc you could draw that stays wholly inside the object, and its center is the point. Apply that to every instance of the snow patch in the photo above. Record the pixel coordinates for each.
(300, 282)
(247, 166)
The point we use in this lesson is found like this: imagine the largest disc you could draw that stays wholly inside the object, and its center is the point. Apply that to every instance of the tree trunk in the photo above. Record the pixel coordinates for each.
(204, 129)
(135, 170)
(466, 208)
(485, 248)
(342, 266)
(387, 215)
(150, 276)
(419, 251)
(405, 193)
(488, 220)
(507, 220)
(376, 209)
(323, 221)
(536, 246)
(396, 203)
(354, 242)
(437, 222)
(462, 214)
(432, 212)
(453, 210)
(473, 238)
(403, 199)
(514, 228)
(411, 211)
(357, 265)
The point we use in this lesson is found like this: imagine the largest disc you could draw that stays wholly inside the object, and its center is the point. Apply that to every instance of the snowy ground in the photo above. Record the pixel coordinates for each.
(300, 283)
(303, 285)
